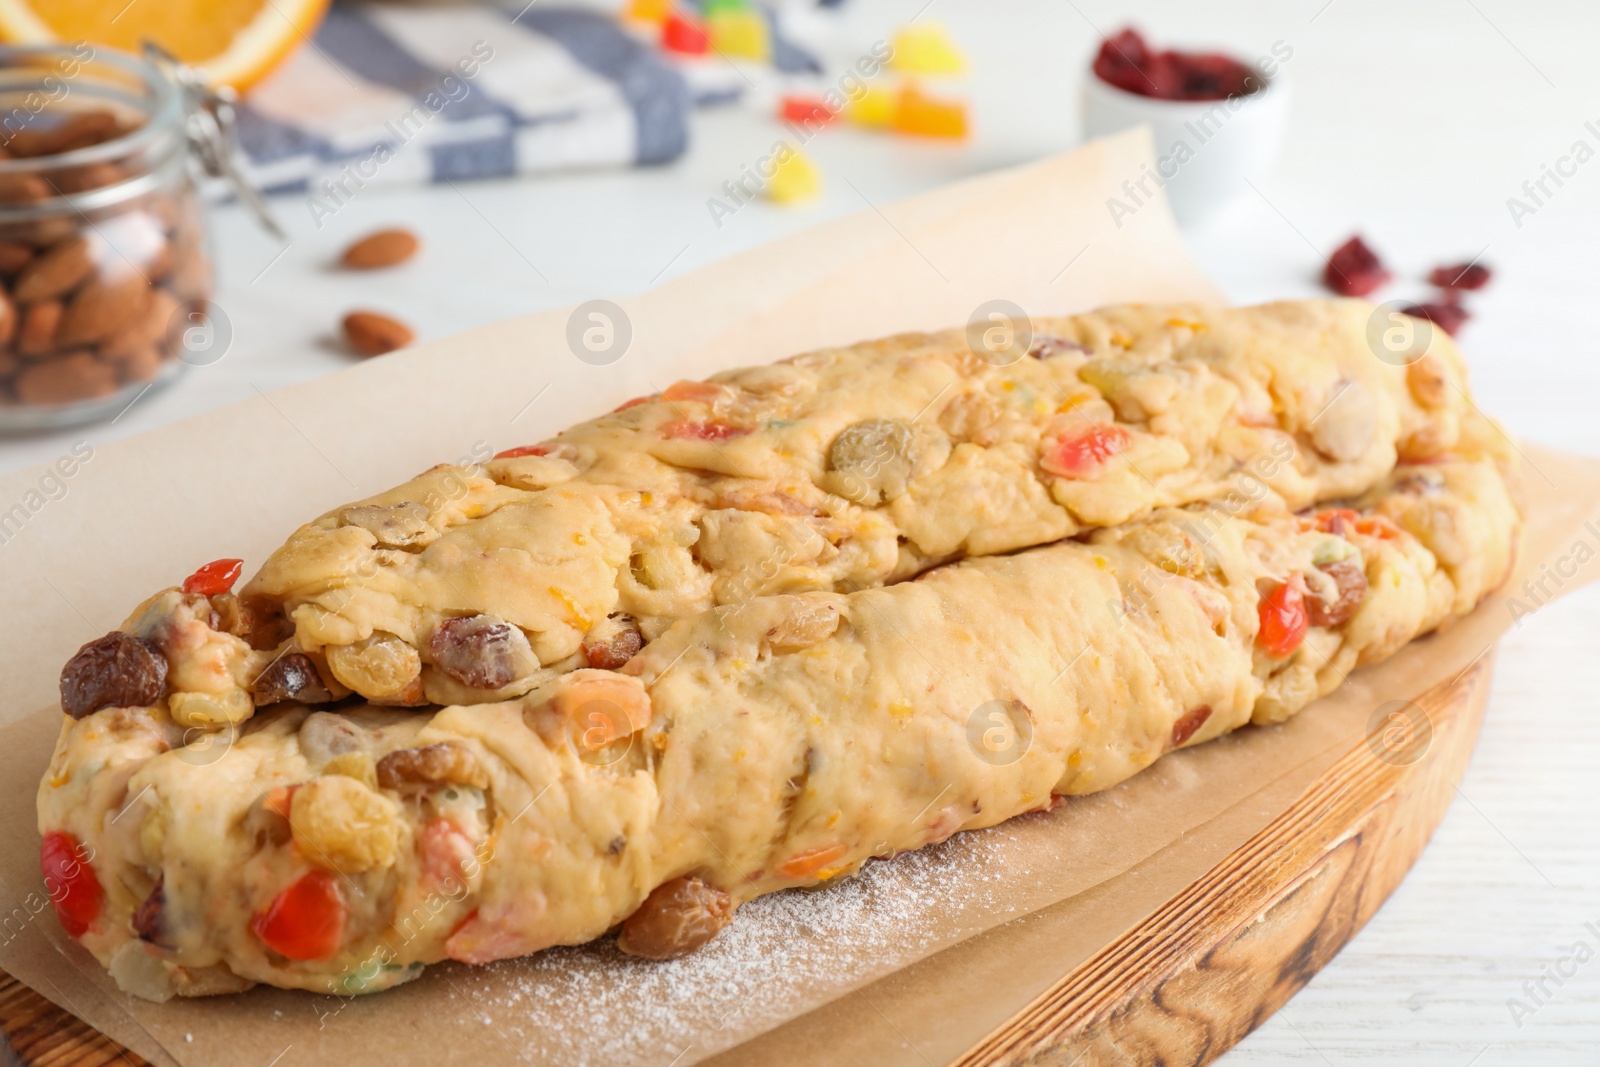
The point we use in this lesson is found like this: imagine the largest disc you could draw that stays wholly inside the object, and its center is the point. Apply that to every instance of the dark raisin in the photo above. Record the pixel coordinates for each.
(118, 670)
(150, 919)
(290, 677)
(444, 763)
(1189, 724)
(479, 651)
(1354, 269)
(1351, 583)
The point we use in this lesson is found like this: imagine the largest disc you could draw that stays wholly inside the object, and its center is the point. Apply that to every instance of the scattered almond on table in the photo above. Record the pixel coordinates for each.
(385, 248)
(373, 334)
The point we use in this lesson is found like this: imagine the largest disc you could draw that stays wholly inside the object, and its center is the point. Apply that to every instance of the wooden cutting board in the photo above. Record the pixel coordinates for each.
(1186, 984)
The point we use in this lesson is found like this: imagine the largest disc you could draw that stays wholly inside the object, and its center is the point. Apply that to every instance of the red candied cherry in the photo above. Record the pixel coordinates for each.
(70, 881)
(305, 921)
(692, 430)
(1354, 269)
(1284, 620)
(214, 578)
(1082, 455)
(684, 35)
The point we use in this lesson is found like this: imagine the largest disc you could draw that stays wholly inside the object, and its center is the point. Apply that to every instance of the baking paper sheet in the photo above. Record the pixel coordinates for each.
(914, 959)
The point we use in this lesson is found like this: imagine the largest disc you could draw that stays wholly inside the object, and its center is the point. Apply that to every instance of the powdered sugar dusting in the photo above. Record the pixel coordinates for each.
(783, 955)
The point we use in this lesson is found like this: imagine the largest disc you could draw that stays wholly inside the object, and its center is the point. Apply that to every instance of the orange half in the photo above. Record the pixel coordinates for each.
(233, 42)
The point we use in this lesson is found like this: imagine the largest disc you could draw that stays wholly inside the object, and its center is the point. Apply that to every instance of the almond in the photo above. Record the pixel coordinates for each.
(56, 272)
(148, 330)
(13, 257)
(386, 248)
(76, 376)
(140, 365)
(8, 319)
(88, 176)
(79, 130)
(372, 334)
(37, 333)
(102, 307)
(23, 189)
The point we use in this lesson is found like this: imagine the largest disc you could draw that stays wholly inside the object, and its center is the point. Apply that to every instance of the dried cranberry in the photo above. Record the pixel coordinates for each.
(1126, 61)
(1123, 60)
(1351, 583)
(479, 651)
(1354, 269)
(290, 677)
(118, 670)
(1461, 276)
(1448, 317)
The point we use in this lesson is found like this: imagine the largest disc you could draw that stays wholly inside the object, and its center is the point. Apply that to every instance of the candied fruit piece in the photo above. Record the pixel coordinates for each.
(917, 113)
(795, 179)
(740, 33)
(926, 48)
(684, 35)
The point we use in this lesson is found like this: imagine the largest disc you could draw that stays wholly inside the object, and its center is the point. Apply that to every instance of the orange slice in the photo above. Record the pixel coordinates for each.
(233, 42)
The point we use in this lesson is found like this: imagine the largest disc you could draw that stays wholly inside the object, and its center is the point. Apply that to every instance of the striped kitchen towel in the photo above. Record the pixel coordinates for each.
(403, 93)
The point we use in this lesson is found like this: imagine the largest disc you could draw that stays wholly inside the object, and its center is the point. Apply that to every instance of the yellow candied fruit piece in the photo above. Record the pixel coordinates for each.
(647, 499)
(740, 34)
(579, 539)
(926, 48)
(832, 821)
(1185, 323)
(901, 709)
(1075, 760)
(873, 109)
(795, 179)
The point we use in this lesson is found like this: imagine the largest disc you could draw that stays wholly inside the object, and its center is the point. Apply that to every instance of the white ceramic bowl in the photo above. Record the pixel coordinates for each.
(1204, 149)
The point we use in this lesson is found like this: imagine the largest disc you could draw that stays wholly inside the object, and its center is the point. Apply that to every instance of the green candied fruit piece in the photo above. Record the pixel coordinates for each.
(1333, 550)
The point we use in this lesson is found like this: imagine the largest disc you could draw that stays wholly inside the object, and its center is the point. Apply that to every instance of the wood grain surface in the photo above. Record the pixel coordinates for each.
(1198, 975)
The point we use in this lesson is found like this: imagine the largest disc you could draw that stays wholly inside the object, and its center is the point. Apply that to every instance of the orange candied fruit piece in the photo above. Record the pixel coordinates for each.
(923, 115)
(811, 862)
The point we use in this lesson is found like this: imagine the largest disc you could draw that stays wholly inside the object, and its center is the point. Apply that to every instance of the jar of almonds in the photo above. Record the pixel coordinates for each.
(104, 273)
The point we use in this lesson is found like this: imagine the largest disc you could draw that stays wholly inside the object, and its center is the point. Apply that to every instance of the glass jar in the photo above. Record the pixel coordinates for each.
(104, 258)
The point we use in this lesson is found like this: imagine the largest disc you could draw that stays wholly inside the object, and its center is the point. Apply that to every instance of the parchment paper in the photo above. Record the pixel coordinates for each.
(836, 972)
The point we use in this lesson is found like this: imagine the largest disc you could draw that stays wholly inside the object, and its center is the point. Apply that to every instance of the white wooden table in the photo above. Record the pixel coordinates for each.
(1412, 123)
